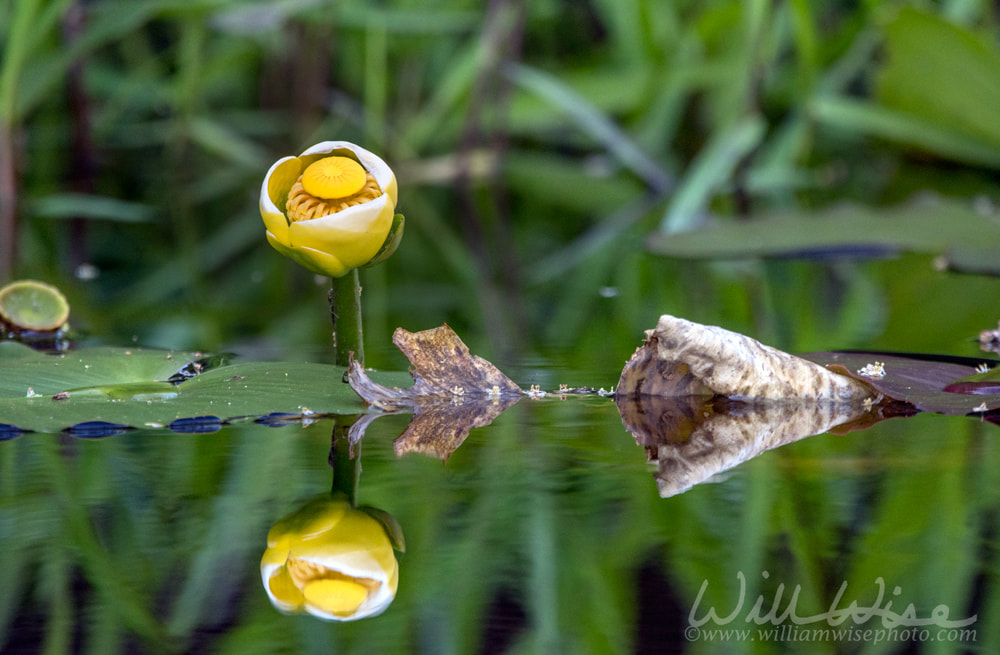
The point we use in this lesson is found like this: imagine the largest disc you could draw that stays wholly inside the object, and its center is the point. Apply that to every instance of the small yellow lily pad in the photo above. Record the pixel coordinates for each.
(33, 305)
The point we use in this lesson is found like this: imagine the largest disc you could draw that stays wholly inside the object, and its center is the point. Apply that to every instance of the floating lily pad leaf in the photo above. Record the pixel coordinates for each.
(45, 375)
(128, 391)
(32, 305)
(919, 380)
(938, 226)
(229, 392)
(260, 388)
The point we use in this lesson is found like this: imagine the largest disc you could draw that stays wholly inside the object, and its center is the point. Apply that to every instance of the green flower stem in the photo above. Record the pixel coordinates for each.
(345, 459)
(345, 312)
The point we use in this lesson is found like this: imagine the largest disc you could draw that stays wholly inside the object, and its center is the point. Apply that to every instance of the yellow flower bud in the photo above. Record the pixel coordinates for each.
(331, 208)
(331, 560)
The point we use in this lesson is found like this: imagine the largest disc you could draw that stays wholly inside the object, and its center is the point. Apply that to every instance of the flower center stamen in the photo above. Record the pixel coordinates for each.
(334, 177)
(312, 195)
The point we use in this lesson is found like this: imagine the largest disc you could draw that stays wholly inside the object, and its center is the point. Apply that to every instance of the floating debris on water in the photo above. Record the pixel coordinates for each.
(876, 370)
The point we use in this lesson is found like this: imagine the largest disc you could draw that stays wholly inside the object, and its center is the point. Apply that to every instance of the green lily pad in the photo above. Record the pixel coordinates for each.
(28, 372)
(33, 305)
(129, 388)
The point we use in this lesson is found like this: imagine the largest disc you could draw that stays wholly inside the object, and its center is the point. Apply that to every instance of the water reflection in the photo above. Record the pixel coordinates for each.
(438, 427)
(331, 558)
(693, 438)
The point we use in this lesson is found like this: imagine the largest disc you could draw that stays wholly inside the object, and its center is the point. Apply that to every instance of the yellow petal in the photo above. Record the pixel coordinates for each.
(316, 516)
(357, 547)
(353, 235)
(277, 183)
(318, 262)
(284, 592)
(339, 597)
(334, 177)
(276, 224)
(276, 553)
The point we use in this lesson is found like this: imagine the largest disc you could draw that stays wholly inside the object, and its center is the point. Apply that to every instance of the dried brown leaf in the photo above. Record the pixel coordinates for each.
(453, 392)
(442, 369)
(681, 358)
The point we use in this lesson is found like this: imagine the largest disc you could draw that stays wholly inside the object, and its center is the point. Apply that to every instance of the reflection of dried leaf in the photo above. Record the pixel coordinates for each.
(683, 358)
(693, 438)
(438, 429)
(453, 392)
(442, 368)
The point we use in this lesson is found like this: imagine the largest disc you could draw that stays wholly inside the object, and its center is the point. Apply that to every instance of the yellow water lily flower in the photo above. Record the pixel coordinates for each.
(331, 208)
(331, 560)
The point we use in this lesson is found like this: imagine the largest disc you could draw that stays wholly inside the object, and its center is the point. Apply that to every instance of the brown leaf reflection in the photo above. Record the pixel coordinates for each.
(438, 427)
(692, 438)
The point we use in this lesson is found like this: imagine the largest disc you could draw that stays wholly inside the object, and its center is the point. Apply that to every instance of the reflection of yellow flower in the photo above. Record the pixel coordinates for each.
(331, 208)
(331, 560)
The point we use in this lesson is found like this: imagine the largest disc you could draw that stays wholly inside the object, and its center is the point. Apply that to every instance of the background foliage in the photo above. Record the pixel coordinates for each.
(537, 145)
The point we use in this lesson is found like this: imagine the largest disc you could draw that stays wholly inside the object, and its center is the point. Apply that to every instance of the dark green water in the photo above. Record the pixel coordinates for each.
(544, 532)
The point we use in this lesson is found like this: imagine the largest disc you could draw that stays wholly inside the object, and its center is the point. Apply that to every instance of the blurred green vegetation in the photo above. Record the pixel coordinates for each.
(537, 145)
(543, 533)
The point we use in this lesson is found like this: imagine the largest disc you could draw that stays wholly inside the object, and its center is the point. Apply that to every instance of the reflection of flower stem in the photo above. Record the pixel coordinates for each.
(345, 312)
(345, 459)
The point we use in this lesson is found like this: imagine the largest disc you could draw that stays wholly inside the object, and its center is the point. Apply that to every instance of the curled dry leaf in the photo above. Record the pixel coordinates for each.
(442, 369)
(454, 391)
(682, 358)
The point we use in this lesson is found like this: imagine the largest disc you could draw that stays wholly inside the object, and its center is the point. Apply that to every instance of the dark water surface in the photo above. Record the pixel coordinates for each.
(544, 532)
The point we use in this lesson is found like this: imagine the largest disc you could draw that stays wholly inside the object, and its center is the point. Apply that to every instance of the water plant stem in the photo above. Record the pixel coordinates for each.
(345, 460)
(345, 312)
